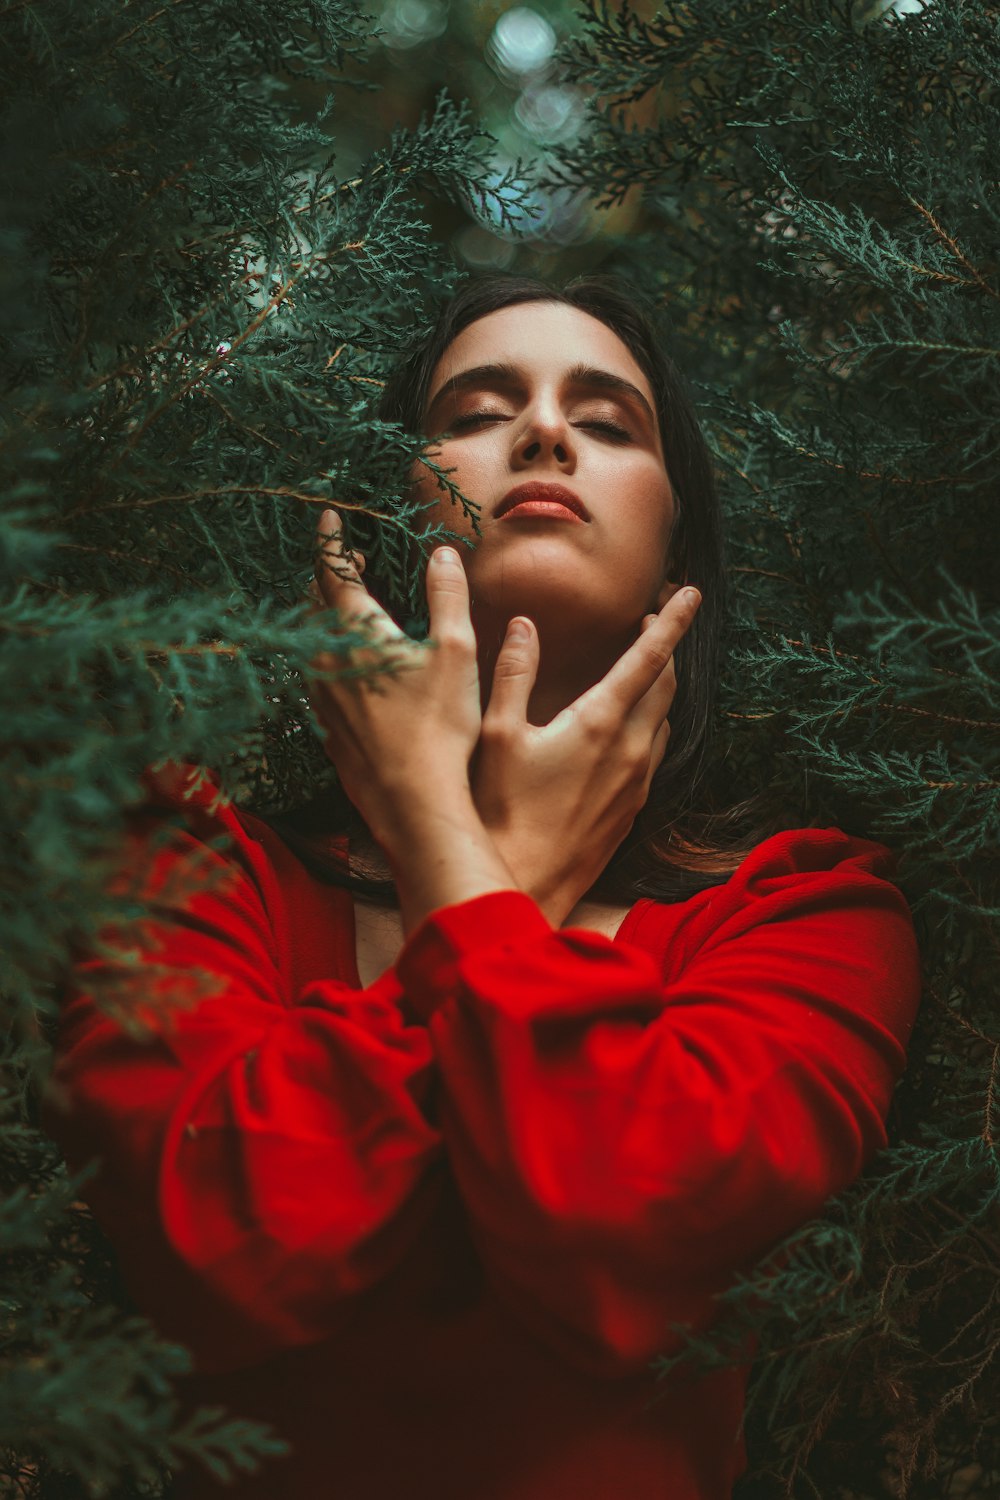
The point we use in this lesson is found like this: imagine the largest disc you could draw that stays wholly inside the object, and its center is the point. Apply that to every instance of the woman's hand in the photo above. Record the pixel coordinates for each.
(402, 743)
(559, 798)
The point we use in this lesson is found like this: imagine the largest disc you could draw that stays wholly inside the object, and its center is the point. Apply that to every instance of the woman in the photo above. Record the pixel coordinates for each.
(430, 1188)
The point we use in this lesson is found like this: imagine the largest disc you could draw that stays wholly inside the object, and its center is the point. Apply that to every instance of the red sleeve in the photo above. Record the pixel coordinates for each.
(263, 1154)
(626, 1133)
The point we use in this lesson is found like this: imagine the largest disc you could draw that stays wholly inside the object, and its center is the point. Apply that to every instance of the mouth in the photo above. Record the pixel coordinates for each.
(538, 498)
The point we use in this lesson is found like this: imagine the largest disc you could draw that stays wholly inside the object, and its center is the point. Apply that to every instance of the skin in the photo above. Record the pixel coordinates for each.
(526, 760)
(587, 587)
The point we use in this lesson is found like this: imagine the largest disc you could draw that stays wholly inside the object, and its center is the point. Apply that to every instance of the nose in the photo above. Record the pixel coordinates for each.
(544, 434)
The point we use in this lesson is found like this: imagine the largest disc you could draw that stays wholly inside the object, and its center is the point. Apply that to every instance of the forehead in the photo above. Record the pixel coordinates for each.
(544, 339)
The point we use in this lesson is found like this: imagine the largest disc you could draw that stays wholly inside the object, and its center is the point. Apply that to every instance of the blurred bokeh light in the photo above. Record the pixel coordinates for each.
(522, 42)
(549, 112)
(407, 23)
(502, 58)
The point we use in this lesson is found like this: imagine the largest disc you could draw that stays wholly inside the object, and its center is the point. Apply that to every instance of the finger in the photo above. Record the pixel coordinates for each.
(638, 668)
(448, 597)
(656, 754)
(335, 562)
(655, 704)
(340, 584)
(513, 675)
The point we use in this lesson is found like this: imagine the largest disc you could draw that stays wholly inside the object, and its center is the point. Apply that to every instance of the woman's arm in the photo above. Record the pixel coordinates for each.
(627, 1138)
(264, 1152)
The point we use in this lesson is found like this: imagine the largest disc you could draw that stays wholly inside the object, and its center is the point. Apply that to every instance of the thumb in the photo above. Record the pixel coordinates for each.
(515, 672)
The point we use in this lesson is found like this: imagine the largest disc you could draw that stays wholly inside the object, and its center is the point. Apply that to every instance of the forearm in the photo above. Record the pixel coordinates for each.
(441, 856)
(531, 860)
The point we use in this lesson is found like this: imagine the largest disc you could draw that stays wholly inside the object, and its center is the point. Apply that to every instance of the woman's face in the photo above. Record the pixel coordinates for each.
(542, 393)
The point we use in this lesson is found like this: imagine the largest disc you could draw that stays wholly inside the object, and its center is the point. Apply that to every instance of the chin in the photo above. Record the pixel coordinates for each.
(559, 607)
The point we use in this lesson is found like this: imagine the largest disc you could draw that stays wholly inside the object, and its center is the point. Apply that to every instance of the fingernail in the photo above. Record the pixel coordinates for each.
(518, 630)
(446, 555)
(692, 596)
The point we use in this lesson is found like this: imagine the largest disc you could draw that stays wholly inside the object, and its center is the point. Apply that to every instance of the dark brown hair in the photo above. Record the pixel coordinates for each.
(674, 848)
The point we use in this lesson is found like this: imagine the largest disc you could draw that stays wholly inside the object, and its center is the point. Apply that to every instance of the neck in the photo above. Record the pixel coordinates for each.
(569, 663)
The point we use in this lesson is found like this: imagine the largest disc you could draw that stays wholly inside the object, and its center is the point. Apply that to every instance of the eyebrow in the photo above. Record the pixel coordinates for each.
(505, 374)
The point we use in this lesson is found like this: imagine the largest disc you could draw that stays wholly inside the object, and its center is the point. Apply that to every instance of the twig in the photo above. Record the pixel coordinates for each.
(953, 246)
(281, 491)
(991, 1089)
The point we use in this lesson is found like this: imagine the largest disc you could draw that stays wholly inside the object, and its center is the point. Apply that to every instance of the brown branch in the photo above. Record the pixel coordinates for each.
(302, 208)
(281, 491)
(849, 656)
(147, 21)
(991, 1089)
(151, 562)
(235, 421)
(155, 652)
(769, 573)
(168, 338)
(956, 251)
(963, 1021)
(830, 463)
(939, 718)
(973, 1232)
(992, 931)
(830, 651)
(946, 276)
(299, 269)
(793, 546)
(965, 786)
(213, 364)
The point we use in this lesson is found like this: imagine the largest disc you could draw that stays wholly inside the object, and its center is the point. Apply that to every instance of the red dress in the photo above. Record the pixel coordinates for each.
(435, 1231)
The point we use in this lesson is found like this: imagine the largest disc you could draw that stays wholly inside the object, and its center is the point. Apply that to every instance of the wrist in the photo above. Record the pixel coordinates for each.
(555, 893)
(441, 855)
(421, 824)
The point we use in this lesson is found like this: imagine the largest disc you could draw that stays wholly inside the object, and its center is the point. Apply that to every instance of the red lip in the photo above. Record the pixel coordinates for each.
(537, 489)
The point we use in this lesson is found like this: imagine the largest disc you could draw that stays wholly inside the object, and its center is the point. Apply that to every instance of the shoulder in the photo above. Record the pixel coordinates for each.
(185, 825)
(194, 852)
(804, 861)
(803, 865)
(825, 888)
(190, 798)
(192, 792)
(183, 815)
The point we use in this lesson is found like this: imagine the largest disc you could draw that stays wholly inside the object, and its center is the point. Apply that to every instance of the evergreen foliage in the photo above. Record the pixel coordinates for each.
(196, 312)
(821, 220)
(197, 308)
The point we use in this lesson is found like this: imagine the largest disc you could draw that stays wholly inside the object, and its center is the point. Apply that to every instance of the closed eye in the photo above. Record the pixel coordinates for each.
(611, 428)
(474, 418)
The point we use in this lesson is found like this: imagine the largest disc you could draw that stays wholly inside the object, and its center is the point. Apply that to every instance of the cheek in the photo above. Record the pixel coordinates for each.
(654, 510)
(425, 489)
